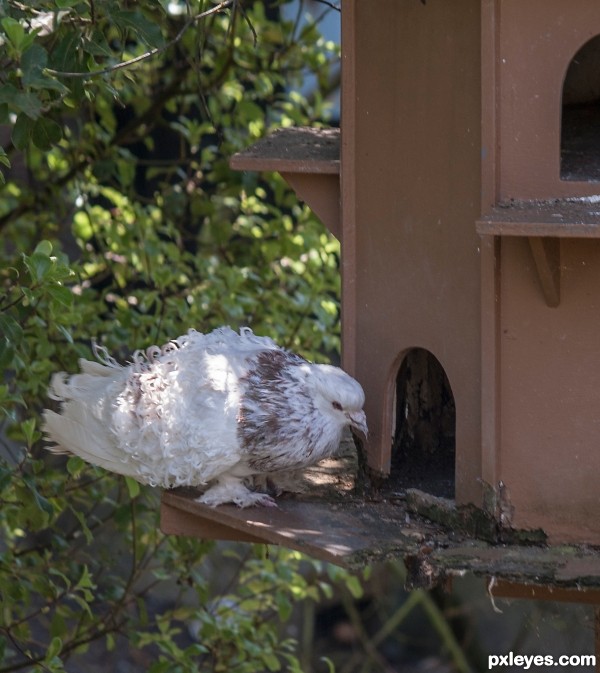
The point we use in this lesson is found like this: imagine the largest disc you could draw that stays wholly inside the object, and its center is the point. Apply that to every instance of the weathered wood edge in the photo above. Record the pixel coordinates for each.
(490, 550)
(431, 536)
(292, 150)
(562, 218)
(504, 227)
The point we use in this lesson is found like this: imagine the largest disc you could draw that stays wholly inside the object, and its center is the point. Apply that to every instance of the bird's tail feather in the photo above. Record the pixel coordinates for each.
(85, 439)
(81, 428)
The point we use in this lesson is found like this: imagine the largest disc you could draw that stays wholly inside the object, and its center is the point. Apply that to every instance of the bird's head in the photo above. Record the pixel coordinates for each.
(339, 397)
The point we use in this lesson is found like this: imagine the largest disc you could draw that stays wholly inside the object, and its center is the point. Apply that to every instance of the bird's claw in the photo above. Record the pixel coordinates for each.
(265, 500)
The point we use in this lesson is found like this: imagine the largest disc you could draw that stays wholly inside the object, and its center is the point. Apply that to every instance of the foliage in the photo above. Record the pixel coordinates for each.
(120, 221)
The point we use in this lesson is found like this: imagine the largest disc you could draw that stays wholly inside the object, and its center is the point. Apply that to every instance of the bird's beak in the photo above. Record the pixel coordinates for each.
(358, 423)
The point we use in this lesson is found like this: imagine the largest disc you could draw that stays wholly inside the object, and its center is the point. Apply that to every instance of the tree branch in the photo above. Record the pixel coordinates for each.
(330, 4)
(149, 54)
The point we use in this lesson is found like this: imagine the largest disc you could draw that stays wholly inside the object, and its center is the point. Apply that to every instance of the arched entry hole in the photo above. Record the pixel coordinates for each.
(423, 452)
(580, 120)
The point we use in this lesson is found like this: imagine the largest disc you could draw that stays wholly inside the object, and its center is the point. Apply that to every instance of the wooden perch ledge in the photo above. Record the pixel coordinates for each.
(354, 532)
(292, 150)
(435, 539)
(562, 218)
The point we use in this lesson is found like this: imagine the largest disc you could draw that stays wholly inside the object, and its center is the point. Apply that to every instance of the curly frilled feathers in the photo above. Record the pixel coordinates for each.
(205, 410)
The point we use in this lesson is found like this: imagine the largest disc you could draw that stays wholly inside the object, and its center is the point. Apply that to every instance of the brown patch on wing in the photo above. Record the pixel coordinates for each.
(265, 408)
(271, 365)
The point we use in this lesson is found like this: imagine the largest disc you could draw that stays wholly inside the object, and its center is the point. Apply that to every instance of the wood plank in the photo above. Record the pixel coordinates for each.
(178, 521)
(349, 530)
(335, 522)
(329, 531)
(536, 592)
(292, 150)
(563, 218)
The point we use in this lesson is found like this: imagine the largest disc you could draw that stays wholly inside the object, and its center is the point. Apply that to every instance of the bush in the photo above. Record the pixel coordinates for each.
(120, 221)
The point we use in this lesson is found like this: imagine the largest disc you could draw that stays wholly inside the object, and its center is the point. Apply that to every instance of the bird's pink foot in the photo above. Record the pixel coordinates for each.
(231, 490)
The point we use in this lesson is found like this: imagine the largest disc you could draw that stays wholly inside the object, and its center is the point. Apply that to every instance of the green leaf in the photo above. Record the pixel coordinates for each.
(51, 84)
(110, 642)
(28, 103)
(44, 248)
(7, 399)
(330, 665)
(21, 133)
(62, 329)
(133, 487)
(85, 581)
(354, 586)
(38, 265)
(75, 465)
(83, 604)
(14, 32)
(65, 56)
(8, 93)
(161, 667)
(54, 648)
(45, 133)
(4, 160)
(10, 328)
(33, 61)
(58, 625)
(89, 537)
(272, 662)
(41, 502)
(29, 431)
(6, 476)
(146, 30)
(32, 517)
(97, 45)
(57, 573)
(7, 353)
(61, 295)
(284, 607)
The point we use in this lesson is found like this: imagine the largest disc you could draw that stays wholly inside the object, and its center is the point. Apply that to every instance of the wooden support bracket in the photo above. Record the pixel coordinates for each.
(544, 224)
(309, 161)
(546, 255)
(321, 192)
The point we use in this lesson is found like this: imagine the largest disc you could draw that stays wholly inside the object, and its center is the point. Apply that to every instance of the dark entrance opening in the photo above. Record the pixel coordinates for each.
(424, 446)
(580, 121)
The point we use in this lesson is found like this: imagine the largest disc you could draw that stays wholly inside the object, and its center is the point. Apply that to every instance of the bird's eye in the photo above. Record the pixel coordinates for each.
(336, 405)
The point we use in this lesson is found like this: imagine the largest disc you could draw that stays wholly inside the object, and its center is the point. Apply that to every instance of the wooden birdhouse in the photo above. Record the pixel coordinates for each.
(540, 263)
(463, 186)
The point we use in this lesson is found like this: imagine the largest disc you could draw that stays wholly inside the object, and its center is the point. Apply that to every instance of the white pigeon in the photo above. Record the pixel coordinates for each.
(207, 410)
